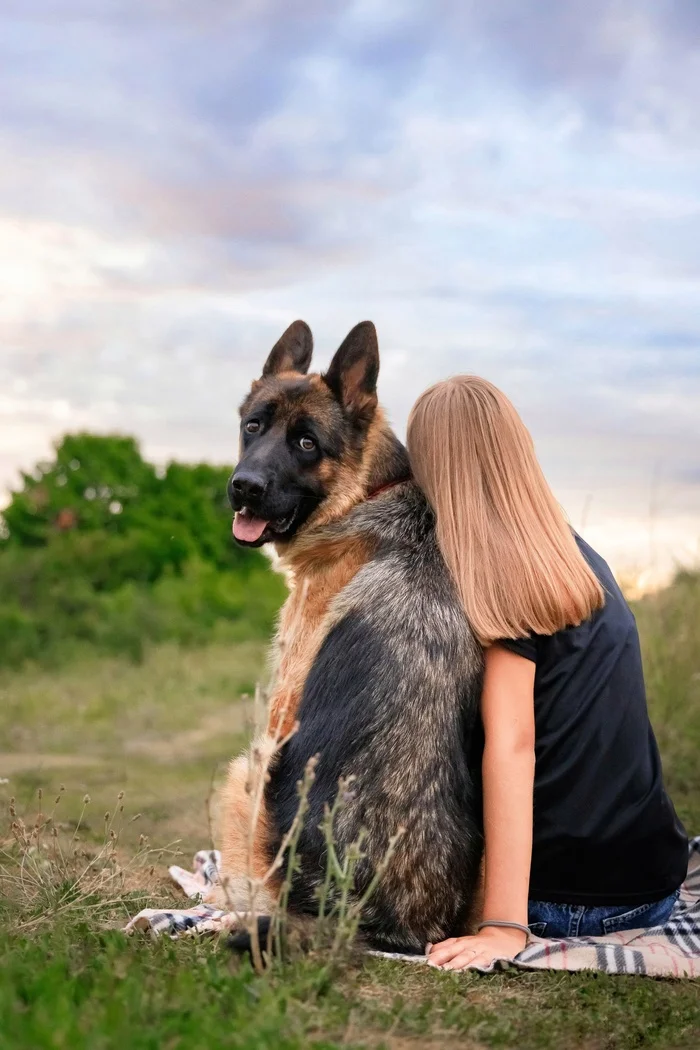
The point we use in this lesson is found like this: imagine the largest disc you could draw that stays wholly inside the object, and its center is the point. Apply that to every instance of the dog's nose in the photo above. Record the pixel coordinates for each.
(246, 487)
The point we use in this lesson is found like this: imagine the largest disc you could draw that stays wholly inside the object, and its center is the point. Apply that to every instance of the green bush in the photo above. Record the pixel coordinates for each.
(101, 549)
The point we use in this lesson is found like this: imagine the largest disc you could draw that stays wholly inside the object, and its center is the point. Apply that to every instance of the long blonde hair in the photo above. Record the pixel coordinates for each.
(504, 537)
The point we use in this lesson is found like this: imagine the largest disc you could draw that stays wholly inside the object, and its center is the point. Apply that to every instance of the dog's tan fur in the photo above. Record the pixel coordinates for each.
(316, 575)
(245, 858)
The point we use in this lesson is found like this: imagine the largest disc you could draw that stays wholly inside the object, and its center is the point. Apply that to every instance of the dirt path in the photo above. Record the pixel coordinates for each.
(229, 722)
(232, 721)
(19, 761)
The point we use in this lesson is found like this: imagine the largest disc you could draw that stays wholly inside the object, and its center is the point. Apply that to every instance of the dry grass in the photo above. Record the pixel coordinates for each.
(49, 873)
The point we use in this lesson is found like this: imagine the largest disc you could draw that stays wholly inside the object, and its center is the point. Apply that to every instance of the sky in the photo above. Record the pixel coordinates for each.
(509, 189)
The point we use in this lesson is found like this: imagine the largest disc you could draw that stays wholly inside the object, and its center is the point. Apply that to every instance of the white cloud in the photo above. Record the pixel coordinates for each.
(493, 207)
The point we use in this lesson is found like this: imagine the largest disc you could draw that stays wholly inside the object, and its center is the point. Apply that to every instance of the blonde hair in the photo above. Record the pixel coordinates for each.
(505, 539)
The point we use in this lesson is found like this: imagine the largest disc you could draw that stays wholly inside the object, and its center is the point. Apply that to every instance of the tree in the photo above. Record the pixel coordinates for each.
(99, 495)
(94, 482)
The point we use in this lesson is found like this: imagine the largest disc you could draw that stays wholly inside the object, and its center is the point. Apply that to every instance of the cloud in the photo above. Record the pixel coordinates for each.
(507, 189)
(628, 64)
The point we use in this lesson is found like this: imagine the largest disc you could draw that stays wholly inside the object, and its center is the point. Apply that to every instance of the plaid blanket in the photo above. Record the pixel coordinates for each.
(672, 950)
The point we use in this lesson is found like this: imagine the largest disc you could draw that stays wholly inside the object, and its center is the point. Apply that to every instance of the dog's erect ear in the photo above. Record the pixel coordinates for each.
(352, 374)
(292, 351)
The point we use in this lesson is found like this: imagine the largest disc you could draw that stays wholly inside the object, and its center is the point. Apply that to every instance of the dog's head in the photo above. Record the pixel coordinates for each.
(301, 433)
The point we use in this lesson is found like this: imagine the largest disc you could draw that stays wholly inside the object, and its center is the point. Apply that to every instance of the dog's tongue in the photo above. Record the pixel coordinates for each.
(248, 528)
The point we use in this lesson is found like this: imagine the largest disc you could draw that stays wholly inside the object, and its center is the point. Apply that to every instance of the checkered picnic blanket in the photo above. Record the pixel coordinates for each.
(672, 950)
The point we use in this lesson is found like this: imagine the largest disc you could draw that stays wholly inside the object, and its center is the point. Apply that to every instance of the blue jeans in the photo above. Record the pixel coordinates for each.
(579, 920)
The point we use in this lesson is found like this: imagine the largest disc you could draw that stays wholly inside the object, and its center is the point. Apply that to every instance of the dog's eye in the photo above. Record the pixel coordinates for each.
(307, 443)
(252, 426)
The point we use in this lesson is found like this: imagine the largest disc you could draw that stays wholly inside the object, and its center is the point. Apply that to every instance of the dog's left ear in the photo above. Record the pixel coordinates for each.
(352, 374)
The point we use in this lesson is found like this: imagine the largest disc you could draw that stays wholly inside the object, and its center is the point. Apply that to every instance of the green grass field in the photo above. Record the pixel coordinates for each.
(162, 732)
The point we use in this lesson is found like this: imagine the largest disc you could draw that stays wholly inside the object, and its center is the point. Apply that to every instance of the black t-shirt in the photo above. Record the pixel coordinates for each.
(605, 831)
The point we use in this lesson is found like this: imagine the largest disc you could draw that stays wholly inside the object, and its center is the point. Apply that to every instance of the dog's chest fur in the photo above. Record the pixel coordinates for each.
(316, 576)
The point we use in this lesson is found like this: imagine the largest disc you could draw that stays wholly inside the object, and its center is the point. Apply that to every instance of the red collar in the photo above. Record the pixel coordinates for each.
(385, 488)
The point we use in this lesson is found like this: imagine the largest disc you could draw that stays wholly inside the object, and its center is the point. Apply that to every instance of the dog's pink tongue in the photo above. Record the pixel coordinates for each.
(248, 528)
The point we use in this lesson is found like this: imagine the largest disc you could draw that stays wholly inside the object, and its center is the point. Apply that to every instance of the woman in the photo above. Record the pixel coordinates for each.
(581, 837)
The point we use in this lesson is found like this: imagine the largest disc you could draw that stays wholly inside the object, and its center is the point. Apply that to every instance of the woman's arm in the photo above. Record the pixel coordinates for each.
(507, 709)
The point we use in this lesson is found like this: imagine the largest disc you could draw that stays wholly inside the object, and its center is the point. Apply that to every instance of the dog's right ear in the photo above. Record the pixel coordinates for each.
(292, 351)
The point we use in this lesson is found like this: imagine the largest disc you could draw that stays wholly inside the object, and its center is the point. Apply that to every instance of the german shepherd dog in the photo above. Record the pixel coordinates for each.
(377, 663)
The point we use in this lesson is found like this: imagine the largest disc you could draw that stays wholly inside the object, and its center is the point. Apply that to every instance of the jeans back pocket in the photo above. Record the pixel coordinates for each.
(643, 918)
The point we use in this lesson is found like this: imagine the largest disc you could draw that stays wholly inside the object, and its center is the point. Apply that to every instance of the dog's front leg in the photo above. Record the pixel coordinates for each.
(245, 883)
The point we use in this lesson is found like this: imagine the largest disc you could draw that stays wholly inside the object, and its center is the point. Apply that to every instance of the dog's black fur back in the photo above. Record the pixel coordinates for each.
(392, 700)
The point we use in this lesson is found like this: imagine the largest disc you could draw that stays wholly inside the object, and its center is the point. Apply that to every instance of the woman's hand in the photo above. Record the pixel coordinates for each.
(463, 953)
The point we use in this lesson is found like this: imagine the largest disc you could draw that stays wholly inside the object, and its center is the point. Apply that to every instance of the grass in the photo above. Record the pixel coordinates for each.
(75, 987)
(669, 625)
(162, 733)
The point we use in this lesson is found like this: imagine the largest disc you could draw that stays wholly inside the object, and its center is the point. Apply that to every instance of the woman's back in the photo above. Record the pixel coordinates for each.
(604, 827)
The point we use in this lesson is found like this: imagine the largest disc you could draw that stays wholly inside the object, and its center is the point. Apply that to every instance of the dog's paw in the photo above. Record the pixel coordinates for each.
(241, 943)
